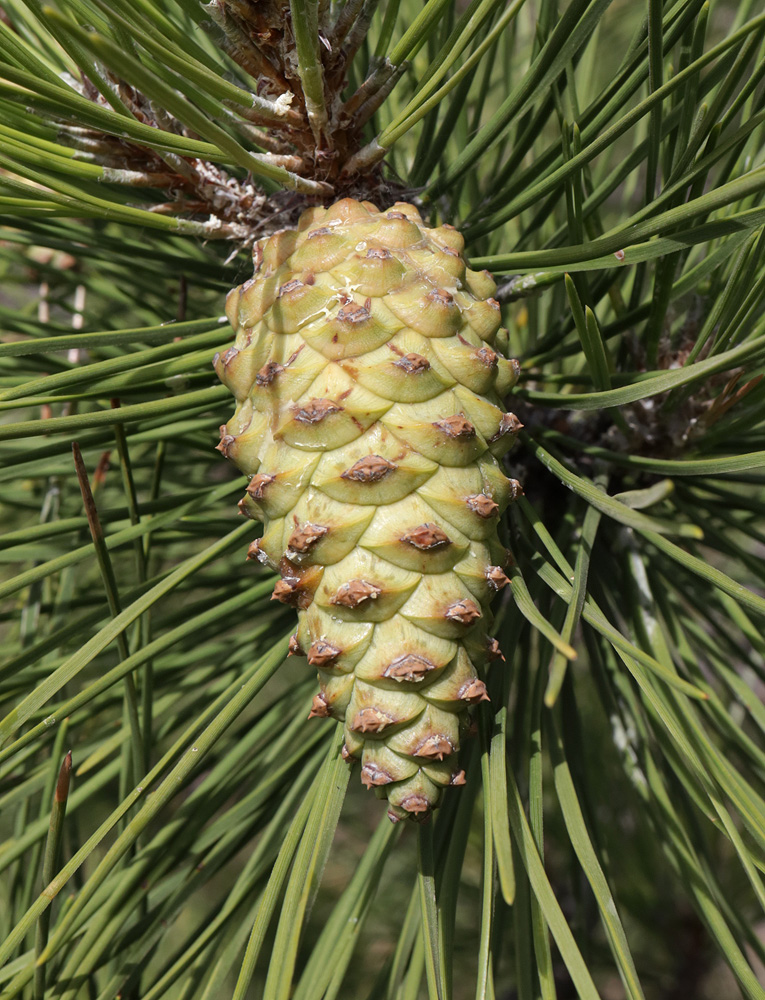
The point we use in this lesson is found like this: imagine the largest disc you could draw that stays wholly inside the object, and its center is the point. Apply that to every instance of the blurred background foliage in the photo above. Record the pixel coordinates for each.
(605, 161)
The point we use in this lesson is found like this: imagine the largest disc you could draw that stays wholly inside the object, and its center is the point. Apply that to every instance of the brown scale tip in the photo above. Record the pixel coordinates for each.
(226, 440)
(440, 296)
(254, 551)
(426, 536)
(355, 313)
(509, 424)
(497, 578)
(393, 817)
(464, 612)
(319, 707)
(289, 286)
(371, 720)
(458, 778)
(295, 649)
(379, 253)
(417, 805)
(268, 373)
(409, 667)
(303, 539)
(243, 510)
(373, 776)
(315, 410)
(457, 426)
(257, 485)
(482, 505)
(413, 363)
(493, 650)
(474, 691)
(322, 654)
(368, 470)
(346, 754)
(355, 592)
(289, 591)
(487, 356)
(435, 747)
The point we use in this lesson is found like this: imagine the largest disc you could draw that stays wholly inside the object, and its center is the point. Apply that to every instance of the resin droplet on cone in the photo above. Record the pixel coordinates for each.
(368, 390)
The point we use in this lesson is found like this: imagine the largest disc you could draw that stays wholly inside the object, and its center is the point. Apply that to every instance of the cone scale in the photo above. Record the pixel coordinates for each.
(368, 389)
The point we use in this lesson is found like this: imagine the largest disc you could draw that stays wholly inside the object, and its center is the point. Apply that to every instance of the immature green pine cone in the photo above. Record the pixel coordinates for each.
(369, 417)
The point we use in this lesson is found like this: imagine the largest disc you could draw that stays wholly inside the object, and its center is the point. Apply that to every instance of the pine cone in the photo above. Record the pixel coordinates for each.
(369, 417)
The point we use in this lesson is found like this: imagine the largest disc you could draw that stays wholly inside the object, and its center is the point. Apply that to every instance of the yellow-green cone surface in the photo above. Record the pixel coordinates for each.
(369, 416)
